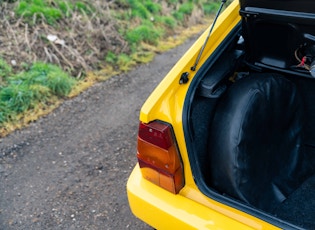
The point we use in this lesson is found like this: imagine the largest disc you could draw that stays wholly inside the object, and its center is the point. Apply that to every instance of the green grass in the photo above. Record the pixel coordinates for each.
(148, 23)
(210, 8)
(23, 91)
(5, 70)
(186, 8)
(124, 62)
(144, 33)
(167, 21)
(57, 81)
(35, 11)
(111, 57)
(153, 7)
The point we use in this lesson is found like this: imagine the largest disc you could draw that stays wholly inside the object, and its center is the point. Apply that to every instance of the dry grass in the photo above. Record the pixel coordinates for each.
(82, 40)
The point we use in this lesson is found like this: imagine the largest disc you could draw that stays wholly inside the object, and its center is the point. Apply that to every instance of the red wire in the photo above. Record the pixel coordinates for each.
(303, 61)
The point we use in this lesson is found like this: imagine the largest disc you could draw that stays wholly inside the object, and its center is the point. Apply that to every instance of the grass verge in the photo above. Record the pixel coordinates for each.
(35, 89)
(84, 42)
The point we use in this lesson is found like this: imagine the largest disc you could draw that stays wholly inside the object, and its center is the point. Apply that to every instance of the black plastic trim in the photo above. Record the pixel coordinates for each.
(272, 14)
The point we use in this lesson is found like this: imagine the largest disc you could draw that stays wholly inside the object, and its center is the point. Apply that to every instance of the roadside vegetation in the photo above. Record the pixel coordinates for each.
(53, 49)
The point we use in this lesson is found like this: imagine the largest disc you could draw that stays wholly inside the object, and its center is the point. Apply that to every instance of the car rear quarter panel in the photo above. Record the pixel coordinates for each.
(167, 100)
(166, 104)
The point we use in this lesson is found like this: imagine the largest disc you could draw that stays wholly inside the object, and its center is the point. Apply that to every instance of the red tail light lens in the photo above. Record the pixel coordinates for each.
(158, 156)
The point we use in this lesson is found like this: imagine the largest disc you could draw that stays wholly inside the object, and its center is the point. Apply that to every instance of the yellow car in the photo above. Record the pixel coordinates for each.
(227, 139)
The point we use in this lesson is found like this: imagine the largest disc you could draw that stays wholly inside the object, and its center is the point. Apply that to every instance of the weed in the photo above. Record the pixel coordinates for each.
(65, 8)
(210, 8)
(172, 1)
(179, 16)
(169, 22)
(31, 9)
(153, 7)
(50, 11)
(4, 112)
(144, 33)
(111, 57)
(124, 62)
(83, 8)
(138, 9)
(186, 8)
(5, 69)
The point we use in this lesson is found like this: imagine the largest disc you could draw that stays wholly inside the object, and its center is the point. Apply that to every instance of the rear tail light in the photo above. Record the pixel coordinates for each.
(158, 156)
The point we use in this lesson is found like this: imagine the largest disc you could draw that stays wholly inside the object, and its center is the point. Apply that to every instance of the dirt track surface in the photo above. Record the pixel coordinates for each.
(69, 169)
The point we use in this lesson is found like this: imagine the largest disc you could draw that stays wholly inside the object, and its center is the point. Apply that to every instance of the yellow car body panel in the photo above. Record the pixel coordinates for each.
(164, 210)
(167, 100)
(189, 209)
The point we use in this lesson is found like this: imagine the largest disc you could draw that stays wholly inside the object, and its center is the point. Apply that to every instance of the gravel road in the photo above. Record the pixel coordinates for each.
(69, 169)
